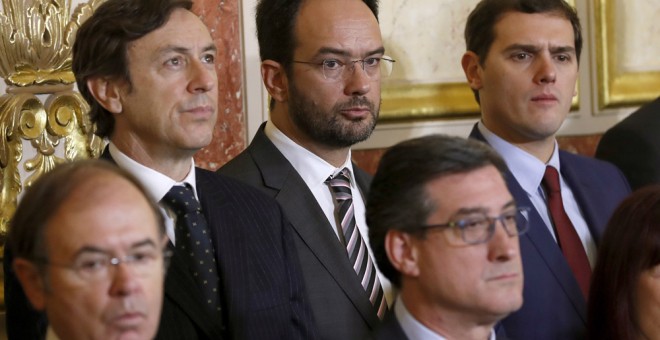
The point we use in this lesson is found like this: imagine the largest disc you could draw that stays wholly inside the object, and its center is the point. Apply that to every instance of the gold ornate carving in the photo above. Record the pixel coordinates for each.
(36, 37)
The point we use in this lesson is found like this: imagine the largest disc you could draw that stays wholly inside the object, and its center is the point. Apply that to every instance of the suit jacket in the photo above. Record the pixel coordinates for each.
(554, 307)
(633, 145)
(261, 280)
(340, 305)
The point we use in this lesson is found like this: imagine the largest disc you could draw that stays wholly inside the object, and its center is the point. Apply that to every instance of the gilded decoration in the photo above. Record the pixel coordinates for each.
(43, 121)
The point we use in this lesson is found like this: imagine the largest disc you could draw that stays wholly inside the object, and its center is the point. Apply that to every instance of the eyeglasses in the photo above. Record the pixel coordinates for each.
(335, 69)
(480, 228)
(99, 266)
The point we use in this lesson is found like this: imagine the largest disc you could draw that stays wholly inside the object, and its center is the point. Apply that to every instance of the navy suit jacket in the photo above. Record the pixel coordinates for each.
(261, 280)
(554, 307)
(633, 145)
(340, 305)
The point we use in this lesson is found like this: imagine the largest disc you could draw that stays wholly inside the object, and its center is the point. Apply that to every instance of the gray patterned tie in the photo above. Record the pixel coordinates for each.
(358, 253)
(193, 243)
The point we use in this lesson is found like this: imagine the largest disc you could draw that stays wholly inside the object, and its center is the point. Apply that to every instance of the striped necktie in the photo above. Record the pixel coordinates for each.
(356, 248)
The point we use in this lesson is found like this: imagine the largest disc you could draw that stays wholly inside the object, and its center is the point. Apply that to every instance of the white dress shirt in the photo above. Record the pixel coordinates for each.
(156, 183)
(315, 171)
(414, 329)
(528, 171)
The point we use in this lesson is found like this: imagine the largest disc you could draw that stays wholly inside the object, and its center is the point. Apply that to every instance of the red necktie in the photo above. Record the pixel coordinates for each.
(567, 237)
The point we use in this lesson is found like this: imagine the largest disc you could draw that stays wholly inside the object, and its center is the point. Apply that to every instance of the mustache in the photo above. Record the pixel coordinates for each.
(356, 101)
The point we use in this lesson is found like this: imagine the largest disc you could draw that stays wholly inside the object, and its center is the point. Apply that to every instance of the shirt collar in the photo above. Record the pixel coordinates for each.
(526, 169)
(415, 329)
(156, 183)
(313, 169)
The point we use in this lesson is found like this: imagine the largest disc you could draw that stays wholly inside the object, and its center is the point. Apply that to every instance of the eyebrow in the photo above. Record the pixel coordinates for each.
(483, 210)
(185, 50)
(98, 250)
(332, 50)
(536, 48)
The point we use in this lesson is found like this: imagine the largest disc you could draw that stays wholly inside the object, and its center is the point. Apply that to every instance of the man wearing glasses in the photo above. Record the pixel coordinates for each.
(322, 63)
(90, 250)
(444, 229)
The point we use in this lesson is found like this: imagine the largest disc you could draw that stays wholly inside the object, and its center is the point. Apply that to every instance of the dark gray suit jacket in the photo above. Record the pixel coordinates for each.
(340, 305)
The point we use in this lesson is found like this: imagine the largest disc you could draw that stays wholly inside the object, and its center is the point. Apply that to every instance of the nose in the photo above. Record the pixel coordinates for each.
(358, 82)
(124, 280)
(502, 247)
(546, 70)
(202, 77)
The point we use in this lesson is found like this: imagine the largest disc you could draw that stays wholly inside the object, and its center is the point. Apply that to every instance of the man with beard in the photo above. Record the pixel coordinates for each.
(322, 62)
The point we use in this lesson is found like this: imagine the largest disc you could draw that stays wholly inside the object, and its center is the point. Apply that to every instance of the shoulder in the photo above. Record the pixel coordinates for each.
(214, 183)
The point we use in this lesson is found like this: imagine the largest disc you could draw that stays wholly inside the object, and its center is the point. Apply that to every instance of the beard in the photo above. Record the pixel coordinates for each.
(331, 128)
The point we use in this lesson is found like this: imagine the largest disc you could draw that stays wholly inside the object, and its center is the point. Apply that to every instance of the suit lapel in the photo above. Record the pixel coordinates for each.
(542, 241)
(309, 223)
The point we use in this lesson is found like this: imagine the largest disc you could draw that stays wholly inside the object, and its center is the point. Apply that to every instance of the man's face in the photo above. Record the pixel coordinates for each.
(482, 281)
(334, 113)
(108, 217)
(171, 107)
(528, 80)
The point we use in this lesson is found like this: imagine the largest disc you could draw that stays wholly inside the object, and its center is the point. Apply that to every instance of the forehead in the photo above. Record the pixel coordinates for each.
(106, 212)
(339, 24)
(482, 188)
(182, 29)
(550, 28)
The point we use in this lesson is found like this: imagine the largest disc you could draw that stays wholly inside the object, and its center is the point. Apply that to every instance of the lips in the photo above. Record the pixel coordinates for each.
(356, 112)
(544, 98)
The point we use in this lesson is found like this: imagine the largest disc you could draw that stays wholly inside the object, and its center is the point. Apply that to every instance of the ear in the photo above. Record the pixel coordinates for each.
(471, 67)
(32, 282)
(275, 80)
(107, 92)
(401, 251)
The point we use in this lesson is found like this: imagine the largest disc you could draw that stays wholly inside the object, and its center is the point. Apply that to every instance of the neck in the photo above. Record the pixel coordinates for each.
(173, 164)
(445, 322)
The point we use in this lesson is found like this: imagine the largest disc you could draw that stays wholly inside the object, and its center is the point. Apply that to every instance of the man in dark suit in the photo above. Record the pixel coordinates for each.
(633, 145)
(147, 68)
(447, 237)
(322, 62)
(522, 64)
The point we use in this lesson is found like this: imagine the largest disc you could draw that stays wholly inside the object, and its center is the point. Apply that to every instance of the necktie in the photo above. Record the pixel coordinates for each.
(193, 243)
(356, 248)
(568, 239)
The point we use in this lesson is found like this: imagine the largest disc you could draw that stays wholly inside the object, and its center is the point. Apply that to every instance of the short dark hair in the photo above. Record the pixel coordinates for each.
(43, 199)
(398, 198)
(629, 246)
(480, 26)
(276, 20)
(100, 48)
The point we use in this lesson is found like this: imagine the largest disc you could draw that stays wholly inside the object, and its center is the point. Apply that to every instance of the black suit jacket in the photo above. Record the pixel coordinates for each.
(261, 281)
(633, 145)
(340, 305)
(553, 305)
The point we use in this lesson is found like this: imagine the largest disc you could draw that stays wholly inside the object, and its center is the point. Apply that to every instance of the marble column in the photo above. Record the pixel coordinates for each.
(229, 137)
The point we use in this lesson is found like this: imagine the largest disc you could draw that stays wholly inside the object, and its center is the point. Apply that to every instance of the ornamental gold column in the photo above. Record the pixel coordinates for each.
(43, 121)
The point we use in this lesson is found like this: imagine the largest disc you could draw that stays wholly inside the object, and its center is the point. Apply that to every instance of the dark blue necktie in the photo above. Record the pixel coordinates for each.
(193, 243)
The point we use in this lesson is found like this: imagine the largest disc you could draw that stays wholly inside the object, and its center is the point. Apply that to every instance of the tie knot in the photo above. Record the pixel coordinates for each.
(181, 199)
(551, 179)
(340, 184)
